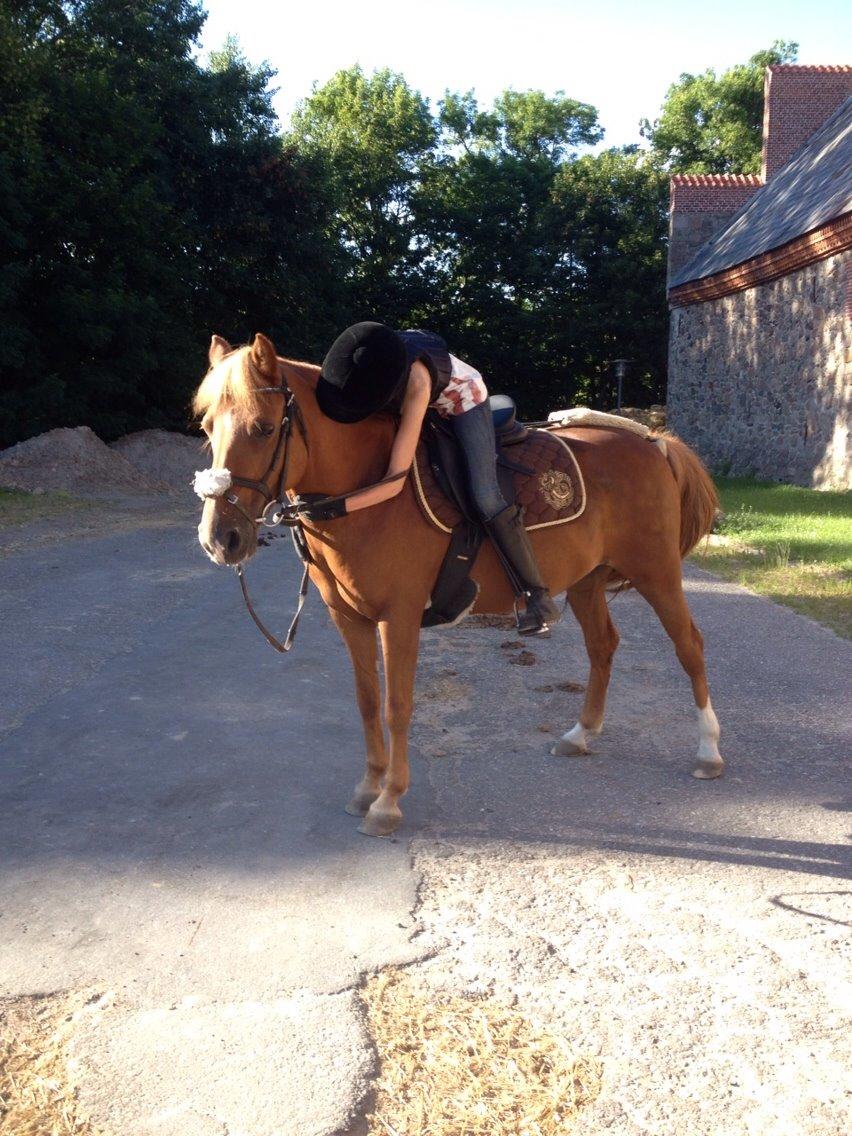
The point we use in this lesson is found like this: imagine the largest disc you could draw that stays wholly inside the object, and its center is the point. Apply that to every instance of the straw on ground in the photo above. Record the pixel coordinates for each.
(37, 1096)
(468, 1066)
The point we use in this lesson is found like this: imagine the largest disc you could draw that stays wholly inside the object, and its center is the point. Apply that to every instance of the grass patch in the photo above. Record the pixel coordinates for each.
(453, 1066)
(791, 544)
(20, 508)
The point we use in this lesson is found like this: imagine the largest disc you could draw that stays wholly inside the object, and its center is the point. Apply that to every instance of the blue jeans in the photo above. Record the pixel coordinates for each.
(474, 431)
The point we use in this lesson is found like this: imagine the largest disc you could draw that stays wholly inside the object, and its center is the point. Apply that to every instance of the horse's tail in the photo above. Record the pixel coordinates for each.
(699, 501)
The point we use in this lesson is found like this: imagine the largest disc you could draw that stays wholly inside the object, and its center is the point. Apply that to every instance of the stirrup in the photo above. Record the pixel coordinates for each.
(533, 621)
(529, 622)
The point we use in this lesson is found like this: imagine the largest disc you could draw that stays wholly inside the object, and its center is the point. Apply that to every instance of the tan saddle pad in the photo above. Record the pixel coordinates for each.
(552, 494)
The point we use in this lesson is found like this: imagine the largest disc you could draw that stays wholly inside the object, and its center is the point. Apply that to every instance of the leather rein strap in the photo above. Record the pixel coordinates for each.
(278, 512)
(261, 626)
(261, 486)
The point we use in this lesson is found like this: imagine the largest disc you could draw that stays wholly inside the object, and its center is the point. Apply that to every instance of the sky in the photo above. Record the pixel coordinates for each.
(618, 55)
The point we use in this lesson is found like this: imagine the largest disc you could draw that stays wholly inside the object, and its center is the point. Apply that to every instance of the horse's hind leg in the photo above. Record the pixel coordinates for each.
(664, 592)
(359, 635)
(588, 602)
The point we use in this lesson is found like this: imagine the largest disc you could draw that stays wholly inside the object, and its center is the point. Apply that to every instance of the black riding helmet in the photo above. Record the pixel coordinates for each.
(364, 368)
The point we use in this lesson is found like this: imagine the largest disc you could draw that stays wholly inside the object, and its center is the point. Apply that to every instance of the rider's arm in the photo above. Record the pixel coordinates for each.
(417, 397)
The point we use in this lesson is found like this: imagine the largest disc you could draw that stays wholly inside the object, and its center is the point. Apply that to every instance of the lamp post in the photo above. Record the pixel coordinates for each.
(621, 367)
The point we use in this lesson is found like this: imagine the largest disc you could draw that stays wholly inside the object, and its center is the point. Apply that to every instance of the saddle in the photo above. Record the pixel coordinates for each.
(536, 469)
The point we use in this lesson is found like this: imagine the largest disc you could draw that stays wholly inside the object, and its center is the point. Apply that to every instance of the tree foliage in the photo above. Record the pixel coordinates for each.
(713, 124)
(144, 200)
(147, 200)
(372, 136)
(462, 221)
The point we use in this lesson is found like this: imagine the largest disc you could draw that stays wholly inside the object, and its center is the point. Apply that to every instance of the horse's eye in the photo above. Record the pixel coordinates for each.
(262, 429)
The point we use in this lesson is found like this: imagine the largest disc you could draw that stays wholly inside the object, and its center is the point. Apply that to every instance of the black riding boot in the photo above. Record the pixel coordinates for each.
(509, 535)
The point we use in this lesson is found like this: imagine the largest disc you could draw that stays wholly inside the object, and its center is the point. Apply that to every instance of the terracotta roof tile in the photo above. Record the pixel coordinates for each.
(812, 68)
(716, 179)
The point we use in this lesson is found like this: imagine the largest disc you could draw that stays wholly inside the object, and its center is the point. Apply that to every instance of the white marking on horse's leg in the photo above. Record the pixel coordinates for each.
(710, 761)
(574, 742)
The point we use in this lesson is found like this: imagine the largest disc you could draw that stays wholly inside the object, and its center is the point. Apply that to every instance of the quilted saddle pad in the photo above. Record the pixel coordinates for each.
(552, 494)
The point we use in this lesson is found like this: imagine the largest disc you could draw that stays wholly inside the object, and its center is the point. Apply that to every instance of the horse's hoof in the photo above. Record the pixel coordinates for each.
(380, 823)
(708, 770)
(574, 744)
(360, 804)
(564, 748)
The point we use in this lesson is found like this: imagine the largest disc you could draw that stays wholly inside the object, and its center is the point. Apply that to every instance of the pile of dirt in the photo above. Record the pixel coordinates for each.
(78, 462)
(71, 461)
(652, 416)
(164, 457)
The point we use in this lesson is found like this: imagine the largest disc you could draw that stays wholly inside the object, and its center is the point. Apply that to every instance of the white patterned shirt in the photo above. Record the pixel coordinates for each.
(465, 390)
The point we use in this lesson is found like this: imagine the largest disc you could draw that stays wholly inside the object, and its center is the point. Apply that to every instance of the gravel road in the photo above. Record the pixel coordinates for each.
(693, 935)
(174, 843)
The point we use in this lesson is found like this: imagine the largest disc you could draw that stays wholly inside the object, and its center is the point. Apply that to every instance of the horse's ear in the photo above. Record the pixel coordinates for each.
(264, 356)
(219, 348)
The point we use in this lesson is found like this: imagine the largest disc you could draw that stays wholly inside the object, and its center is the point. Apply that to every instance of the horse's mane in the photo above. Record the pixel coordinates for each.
(235, 384)
(231, 384)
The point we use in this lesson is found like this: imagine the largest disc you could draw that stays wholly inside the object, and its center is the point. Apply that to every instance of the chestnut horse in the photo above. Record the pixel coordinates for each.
(647, 506)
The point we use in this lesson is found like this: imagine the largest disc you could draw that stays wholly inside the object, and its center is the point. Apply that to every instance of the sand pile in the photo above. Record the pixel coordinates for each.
(69, 460)
(164, 457)
(78, 462)
(652, 416)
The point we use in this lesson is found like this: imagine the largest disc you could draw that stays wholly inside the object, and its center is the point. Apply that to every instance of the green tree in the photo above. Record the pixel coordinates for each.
(483, 224)
(144, 201)
(712, 124)
(548, 263)
(94, 236)
(374, 136)
(613, 209)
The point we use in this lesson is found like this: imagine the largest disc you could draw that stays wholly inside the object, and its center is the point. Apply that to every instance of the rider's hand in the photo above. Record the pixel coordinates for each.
(311, 507)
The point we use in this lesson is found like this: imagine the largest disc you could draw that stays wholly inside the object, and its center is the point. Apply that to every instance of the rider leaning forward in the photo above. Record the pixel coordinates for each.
(371, 368)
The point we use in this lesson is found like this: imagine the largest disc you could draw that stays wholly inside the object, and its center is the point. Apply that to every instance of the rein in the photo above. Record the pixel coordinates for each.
(277, 510)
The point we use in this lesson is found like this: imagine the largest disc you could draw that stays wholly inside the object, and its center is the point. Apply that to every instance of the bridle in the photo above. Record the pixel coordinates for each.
(272, 500)
(277, 510)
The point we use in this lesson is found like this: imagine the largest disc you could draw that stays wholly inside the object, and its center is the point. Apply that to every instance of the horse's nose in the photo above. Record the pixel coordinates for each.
(222, 542)
(229, 542)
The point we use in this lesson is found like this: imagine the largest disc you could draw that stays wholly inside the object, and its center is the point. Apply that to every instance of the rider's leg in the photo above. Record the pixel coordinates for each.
(475, 431)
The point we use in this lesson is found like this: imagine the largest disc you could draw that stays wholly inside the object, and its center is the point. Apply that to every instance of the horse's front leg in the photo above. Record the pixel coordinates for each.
(400, 641)
(359, 635)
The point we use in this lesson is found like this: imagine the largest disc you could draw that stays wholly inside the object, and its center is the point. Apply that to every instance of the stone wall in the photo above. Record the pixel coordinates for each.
(688, 232)
(699, 206)
(760, 381)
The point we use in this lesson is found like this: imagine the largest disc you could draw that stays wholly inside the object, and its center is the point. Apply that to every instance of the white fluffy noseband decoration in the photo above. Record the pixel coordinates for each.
(211, 482)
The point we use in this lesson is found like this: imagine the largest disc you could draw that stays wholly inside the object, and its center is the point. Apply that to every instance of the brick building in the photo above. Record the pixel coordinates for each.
(760, 290)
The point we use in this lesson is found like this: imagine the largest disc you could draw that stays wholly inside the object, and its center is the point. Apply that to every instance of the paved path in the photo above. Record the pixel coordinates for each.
(174, 838)
(173, 841)
(693, 935)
